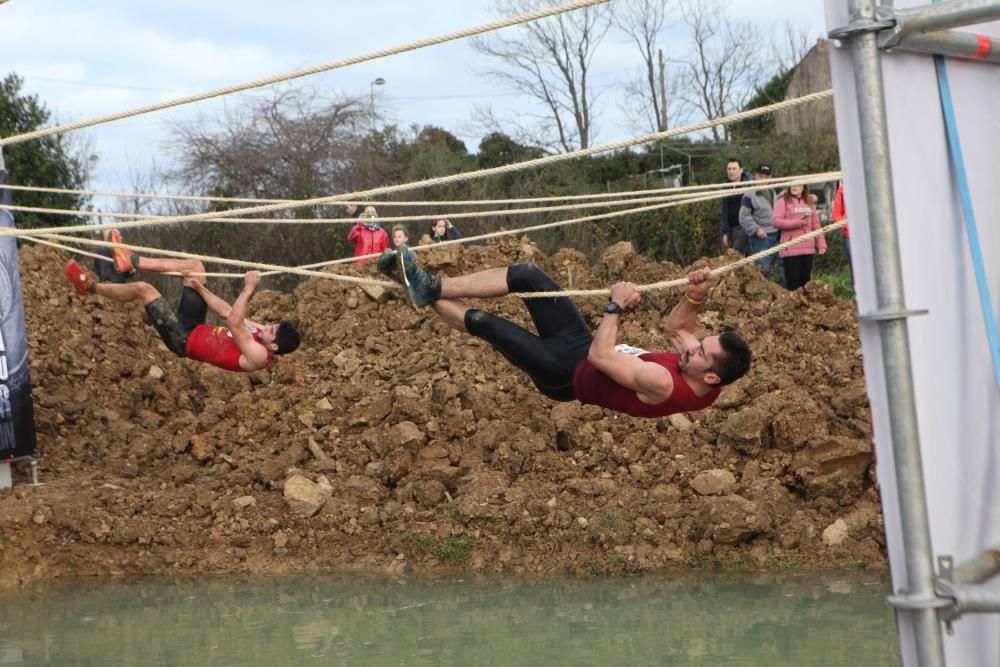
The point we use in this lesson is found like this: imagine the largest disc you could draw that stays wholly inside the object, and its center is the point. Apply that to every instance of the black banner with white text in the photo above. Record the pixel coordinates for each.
(17, 417)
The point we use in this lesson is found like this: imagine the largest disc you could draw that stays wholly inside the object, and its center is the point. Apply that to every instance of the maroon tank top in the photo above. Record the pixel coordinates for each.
(591, 386)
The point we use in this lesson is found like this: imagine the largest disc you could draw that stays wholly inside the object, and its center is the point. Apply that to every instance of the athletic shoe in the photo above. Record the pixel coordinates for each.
(123, 256)
(80, 278)
(386, 264)
(424, 287)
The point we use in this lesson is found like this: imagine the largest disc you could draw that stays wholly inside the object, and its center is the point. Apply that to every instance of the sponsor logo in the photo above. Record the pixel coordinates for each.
(7, 439)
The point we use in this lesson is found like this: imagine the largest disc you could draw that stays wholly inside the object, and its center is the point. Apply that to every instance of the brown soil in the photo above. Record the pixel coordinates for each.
(439, 454)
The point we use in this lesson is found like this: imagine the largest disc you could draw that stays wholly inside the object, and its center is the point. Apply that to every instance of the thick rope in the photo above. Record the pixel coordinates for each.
(678, 282)
(651, 287)
(68, 249)
(105, 258)
(751, 186)
(743, 186)
(288, 76)
(455, 178)
(218, 260)
(834, 175)
(307, 270)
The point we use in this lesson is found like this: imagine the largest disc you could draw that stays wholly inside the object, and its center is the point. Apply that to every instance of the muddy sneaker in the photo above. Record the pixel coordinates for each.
(123, 256)
(80, 279)
(424, 287)
(386, 264)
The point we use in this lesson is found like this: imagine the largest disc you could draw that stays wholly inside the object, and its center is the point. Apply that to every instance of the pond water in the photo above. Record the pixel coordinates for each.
(798, 620)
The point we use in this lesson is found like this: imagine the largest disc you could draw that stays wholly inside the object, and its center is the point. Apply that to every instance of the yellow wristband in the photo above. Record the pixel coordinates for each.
(693, 301)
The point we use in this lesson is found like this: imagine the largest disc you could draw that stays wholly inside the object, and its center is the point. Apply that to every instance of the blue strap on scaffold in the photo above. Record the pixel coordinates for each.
(958, 163)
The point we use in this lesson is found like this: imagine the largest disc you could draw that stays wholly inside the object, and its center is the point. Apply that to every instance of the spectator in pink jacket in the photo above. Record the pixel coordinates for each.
(794, 215)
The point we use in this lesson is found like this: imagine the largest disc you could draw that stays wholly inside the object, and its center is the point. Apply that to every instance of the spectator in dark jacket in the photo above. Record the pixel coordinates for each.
(443, 230)
(733, 235)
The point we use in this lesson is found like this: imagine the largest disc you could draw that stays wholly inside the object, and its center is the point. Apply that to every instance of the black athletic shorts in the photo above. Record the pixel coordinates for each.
(174, 327)
(563, 339)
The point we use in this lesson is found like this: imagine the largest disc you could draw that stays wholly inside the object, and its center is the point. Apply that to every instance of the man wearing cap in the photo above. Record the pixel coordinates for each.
(757, 218)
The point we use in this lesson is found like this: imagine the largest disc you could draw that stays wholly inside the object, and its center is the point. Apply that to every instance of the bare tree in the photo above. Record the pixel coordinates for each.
(295, 145)
(550, 60)
(792, 45)
(644, 21)
(728, 60)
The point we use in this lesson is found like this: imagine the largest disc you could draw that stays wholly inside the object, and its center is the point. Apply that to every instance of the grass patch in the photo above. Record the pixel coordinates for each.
(4, 537)
(616, 566)
(453, 551)
(612, 520)
(840, 281)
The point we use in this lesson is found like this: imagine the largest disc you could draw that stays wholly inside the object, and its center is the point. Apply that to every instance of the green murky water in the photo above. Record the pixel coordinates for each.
(803, 621)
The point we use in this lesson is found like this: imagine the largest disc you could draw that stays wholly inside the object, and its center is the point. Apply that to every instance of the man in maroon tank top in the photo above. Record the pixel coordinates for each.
(565, 360)
(242, 346)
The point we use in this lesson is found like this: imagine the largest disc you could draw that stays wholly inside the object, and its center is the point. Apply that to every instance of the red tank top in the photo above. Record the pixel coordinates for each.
(594, 387)
(215, 346)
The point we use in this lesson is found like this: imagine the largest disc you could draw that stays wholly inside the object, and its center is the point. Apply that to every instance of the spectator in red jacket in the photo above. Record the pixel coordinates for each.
(840, 213)
(368, 236)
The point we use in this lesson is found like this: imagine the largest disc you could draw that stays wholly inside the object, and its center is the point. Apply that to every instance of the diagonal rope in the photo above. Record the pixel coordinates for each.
(308, 269)
(834, 175)
(678, 282)
(453, 178)
(753, 186)
(288, 76)
(651, 287)
(744, 186)
(217, 260)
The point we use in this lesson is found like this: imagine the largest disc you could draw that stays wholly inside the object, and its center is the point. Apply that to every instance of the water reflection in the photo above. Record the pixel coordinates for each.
(266, 621)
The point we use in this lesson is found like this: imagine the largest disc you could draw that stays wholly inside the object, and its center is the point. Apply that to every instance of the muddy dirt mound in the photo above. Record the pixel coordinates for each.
(390, 441)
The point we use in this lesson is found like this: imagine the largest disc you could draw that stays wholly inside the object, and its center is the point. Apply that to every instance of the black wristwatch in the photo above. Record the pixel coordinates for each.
(613, 308)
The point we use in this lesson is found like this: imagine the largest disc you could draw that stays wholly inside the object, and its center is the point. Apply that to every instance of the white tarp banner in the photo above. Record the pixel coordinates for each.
(957, 400)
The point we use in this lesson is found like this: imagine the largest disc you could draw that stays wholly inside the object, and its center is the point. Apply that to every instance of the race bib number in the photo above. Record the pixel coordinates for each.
(628, 349)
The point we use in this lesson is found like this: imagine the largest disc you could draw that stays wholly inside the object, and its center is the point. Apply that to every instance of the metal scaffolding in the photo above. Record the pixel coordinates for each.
(929, 598)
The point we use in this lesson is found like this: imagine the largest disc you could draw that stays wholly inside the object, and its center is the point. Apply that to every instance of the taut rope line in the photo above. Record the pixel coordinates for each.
(308, 269)
(834, 175)
(758, 185)
(651, 287)
(287, 76)
(754, 186)
(455, 178)
(745, 186)
(678, 282)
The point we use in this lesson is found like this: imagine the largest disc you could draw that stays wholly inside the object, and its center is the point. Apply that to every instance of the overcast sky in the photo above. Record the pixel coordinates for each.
(89, 59)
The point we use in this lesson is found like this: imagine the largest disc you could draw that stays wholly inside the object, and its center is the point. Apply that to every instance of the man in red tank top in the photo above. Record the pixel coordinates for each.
(565, 360)
(243, 345)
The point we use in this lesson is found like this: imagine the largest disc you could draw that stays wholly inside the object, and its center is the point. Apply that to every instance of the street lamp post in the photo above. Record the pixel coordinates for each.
(371, 100)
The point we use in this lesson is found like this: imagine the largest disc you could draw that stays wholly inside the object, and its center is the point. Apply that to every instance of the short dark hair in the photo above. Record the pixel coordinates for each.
(736, 160)
(735, 360)
(286, 337)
